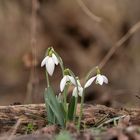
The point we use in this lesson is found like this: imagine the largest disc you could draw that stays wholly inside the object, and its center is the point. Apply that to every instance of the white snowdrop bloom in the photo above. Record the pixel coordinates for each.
(50, 62)
(79, 92)
(65, 79)
(100, 79)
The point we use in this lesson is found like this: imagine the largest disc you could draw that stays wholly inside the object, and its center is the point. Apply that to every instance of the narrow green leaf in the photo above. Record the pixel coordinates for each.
(62, 108)
(71, 108)
(50, 115)
(54, 105)
(56, 112)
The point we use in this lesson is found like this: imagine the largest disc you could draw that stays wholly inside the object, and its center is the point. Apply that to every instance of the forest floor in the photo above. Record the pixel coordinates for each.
(28, 122)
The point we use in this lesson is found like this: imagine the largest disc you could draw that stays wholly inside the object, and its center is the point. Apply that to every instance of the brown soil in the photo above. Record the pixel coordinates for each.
(98, 122)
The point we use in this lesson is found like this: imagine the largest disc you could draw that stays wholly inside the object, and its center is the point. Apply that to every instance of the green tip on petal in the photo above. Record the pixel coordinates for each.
(49, 50)
(66, 72)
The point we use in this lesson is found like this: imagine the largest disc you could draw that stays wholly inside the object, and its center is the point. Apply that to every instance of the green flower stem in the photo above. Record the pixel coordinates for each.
(93, 70)
(60, 61)
(81, 109)
(76, 100)
(65, 99)
(75, 109)
(62, 67)
(47, 78)
(82, 99)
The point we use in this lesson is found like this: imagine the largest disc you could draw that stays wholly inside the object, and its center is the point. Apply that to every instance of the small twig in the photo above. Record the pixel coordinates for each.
(35, 116)
(101, 121)
(111, 120)
(113, 49)
(119, 43)
(88, 12)
(14, 129)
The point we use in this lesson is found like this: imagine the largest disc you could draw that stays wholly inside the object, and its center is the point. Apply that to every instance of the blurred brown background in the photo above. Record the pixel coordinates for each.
(81, 41)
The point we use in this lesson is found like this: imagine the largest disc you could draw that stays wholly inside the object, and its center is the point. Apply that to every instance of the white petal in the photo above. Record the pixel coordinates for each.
(72, 80)
(67, 78)
(63, 83)
(55, 59)
(105, 79)
(80, 91)
(89, 82)
(99, 79)
(74, 93)
(44, 61)
(50, 66)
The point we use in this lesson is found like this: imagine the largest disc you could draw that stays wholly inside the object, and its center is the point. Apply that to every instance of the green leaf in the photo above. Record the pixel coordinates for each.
(50, 115)
(56, 108)
(71, 108)
(62, 106)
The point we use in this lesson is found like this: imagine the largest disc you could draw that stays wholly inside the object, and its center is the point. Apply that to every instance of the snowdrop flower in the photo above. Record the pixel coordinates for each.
(50, 61)
(65, 79)
(79, 92)
(100, 79)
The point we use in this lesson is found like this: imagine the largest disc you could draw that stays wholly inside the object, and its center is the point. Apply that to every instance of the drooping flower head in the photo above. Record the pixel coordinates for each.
(67, 78)
(78, 90)
(100, 79)
(50, 61)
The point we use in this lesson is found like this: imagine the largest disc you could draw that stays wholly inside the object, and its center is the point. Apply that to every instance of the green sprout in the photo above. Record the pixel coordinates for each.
(29, 128)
